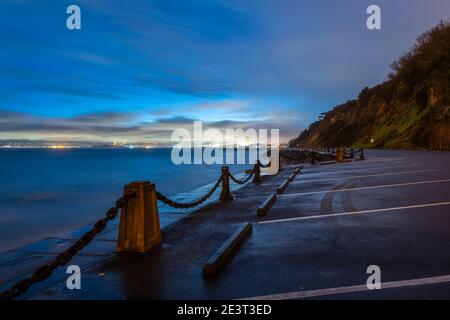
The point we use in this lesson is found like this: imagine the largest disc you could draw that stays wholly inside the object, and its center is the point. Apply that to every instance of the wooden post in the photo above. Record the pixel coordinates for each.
(257, 169)
(226, 194)
(340, 154)
(139, 228)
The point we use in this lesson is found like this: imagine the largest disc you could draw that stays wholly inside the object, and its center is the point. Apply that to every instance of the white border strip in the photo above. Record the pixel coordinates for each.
(350, 289)
(366, 176)
(323, 216)
(366, 188)
(343, 171)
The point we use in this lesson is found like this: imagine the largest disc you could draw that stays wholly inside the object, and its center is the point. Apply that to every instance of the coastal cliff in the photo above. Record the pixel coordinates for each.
(410, 110)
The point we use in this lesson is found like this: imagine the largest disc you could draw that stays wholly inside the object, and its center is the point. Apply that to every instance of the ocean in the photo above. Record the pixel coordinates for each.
(47, 191)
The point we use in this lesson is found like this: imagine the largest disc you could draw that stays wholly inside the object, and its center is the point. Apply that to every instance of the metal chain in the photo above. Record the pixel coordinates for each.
(291, 158)
(243, 180)
(188, 205)
(265, 166)
(45, 271)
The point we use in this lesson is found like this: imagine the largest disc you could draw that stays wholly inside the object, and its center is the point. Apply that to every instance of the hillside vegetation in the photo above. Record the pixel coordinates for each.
(411, 110)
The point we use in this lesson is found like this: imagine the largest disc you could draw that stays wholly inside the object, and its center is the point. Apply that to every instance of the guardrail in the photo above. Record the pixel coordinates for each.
(312, 154)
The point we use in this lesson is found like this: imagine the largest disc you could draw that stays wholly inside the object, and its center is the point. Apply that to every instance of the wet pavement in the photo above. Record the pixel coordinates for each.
(332, 222)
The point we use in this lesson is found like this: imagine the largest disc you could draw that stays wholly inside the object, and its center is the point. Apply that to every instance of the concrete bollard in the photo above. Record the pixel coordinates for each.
(313, 157)
(340, 154)
(361, 155)
(139, 228)
(257, 169)
(226, 194)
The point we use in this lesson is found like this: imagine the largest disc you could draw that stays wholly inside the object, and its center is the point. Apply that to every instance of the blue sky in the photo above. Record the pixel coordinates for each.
(138, 69)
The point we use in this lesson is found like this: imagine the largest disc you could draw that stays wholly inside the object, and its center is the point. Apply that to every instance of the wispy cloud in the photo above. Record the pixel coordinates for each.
(123, 127)
(139, 68)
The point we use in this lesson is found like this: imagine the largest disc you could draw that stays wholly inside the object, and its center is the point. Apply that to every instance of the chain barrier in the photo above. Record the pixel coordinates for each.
(193, 204)
(266, 165)
(63, 258)
(243, 180)
(189, 205)
(45, 271)
(291, 158)
(312, 151)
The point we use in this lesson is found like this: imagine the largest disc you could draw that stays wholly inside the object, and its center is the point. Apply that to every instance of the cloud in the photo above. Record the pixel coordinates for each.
(175, 120)
(91, 58)
(104, 117)
(138, 69)
(109, 127)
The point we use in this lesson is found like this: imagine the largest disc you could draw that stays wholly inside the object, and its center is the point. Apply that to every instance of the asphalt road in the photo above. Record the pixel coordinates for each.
(331, 223)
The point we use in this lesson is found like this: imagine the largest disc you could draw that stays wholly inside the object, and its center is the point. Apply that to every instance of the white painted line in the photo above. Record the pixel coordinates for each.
(366, 188)
(368, 175)
(381, 159)
(371, 161)
(371, 168)
(349, 170)
(350, 289)
(363, 176)
(324, 216)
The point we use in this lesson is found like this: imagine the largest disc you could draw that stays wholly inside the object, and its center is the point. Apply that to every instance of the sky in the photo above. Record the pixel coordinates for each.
(139, 69)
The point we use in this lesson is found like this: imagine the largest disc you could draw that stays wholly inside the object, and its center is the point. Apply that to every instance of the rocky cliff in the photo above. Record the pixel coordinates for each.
(411, 110)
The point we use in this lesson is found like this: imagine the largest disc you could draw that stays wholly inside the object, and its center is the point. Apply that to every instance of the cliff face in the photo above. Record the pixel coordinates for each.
(410, 110)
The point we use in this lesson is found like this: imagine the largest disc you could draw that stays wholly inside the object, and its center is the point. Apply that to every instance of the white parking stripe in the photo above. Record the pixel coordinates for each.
(369, 175)
(363, 176)
(365, 188)
(324, 216)
(378, 159)
(371, 168)
(350, 289)
(346, 171)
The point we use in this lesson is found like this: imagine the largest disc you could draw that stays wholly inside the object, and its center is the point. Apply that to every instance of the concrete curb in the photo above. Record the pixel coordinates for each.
(267, 204)
(324, 163)
(282, 187)
(223, 255)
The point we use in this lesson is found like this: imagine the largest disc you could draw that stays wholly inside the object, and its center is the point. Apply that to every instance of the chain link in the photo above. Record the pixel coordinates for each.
(243, 180)
(45, 271)
(291, 158)
(265, 166)
(63, 258)
(188, 205)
